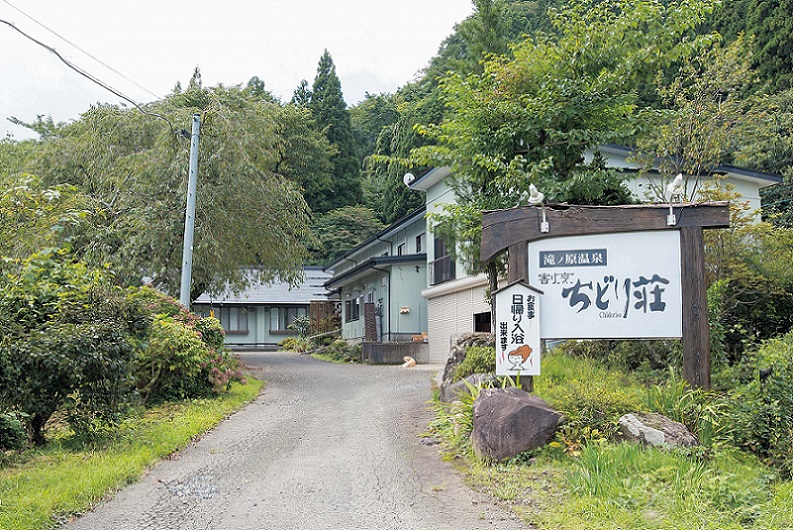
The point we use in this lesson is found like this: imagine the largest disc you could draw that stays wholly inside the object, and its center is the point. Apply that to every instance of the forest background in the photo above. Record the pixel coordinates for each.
(284, 184)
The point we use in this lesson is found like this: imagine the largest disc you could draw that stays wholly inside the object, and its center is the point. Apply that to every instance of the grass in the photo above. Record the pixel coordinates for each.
(585, 480)
(44, 487)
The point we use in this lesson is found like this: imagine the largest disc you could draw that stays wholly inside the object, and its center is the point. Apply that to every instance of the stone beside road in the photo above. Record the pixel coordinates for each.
(510, 421)
(656, 430)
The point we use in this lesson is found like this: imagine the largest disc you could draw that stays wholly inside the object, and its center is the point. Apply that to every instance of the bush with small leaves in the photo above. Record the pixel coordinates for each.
(761, 411)
(478, 360)
(211, 333)
(12, 432)
(67, 336)
(171, 365)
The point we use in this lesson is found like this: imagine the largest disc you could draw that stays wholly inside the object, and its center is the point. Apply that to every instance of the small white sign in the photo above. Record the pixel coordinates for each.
(517, 330)
(624, 285)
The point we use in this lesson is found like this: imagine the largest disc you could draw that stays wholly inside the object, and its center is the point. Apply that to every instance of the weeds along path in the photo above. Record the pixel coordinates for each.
(325, 447)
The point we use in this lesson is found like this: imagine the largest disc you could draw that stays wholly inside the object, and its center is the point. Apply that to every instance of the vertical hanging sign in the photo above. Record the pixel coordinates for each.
(517, 330)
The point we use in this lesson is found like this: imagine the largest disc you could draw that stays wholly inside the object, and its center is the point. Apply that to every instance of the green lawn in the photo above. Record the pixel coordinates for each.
(44, 486)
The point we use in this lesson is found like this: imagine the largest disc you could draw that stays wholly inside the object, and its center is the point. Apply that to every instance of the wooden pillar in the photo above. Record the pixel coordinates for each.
(696, 341)
(518, 269)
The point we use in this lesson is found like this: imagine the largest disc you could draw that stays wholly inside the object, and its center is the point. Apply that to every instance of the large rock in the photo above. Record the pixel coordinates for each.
(656, 430)
(510, 421)
(452, 391)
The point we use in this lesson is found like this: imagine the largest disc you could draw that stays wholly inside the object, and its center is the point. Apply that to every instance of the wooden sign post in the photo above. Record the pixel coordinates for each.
(513, 230)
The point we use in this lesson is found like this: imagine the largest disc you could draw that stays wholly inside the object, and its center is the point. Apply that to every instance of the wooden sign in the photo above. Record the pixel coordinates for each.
(512, 230)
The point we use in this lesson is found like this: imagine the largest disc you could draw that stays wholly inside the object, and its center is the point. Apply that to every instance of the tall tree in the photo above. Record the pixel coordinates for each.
(712, 111)
(530, 117)
(133, 169)
(329, 109)
(488, 31)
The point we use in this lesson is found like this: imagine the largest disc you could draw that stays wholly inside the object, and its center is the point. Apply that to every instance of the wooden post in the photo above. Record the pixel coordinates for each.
(696, 336)
(518, 269)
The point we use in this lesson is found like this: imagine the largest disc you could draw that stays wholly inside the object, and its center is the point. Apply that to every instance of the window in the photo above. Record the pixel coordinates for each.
(442, 269)
(401, 249)
(352, 310)
(283, 317)
(419, 243)
(482, 322)
(233, 319)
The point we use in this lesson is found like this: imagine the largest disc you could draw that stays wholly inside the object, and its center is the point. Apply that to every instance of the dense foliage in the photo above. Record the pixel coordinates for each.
(341, 230)
(123, 174)
(68, 338)
(73, 343)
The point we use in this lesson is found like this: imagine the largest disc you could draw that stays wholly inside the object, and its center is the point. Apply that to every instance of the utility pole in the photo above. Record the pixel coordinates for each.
(189, 221)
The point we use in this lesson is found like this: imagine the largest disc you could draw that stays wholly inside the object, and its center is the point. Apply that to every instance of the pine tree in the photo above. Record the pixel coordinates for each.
(330, 111)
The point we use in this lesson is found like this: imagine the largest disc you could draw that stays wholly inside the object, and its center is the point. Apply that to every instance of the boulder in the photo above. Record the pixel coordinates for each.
(656, 430)
(510, 421)
(458, 345)
(452, 391)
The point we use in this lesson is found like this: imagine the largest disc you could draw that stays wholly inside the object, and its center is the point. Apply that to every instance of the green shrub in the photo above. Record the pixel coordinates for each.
(67, 336)
(301, 325)
(211, 333)
(748, 308)
(171, 365)
(294, 344)
(181, 362)
(339, 351)
(12, 432)
(155, 302)
(478, 360)
(651, 358)
(762, 410)
(591, 397)
(704, 413)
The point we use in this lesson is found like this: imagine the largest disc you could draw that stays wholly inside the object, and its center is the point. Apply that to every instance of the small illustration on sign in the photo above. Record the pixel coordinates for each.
(518, 357)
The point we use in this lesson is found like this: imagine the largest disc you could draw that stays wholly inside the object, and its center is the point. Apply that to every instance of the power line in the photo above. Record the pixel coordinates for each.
(82, 50)
(88, 75)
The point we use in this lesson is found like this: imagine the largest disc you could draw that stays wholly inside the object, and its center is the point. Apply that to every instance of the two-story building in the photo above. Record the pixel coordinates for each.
(378, 284)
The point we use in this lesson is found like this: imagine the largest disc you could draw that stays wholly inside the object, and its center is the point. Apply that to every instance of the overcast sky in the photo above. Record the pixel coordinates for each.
(377, 46)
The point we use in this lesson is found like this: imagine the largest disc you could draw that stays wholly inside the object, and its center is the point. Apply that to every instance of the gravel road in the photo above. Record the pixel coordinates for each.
(325, 446)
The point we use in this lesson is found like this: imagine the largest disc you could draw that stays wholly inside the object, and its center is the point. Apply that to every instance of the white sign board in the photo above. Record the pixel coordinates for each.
(517, 330)
(624, 285)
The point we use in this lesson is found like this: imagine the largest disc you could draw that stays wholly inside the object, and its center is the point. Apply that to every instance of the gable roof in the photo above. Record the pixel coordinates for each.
(311, 289)
(761, 178)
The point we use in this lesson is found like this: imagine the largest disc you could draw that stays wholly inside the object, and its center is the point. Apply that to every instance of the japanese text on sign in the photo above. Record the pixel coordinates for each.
(518, 334)
(625, 285)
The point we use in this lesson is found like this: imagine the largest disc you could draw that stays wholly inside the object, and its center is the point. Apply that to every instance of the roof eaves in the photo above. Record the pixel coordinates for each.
(372, 263)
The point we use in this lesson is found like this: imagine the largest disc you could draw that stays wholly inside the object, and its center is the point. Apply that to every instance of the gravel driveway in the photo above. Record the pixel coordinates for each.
(325, 446)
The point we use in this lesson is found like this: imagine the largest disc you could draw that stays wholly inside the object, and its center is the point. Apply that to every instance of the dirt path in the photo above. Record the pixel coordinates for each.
(325, 447)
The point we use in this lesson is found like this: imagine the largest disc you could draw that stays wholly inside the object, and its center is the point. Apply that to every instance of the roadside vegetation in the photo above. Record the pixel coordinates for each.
(587, 478)
(97, 382)
(314, 339)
